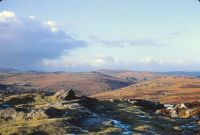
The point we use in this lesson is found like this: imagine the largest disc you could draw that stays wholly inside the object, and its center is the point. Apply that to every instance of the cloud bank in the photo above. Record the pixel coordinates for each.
(25, 42)
(71, 63)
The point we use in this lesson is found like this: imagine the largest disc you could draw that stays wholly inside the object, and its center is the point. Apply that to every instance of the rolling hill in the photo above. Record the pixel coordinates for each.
(83, 83)
(131, 76)
(165, 89)
(182, 73)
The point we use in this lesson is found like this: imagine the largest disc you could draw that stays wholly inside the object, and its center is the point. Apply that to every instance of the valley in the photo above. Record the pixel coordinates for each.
(83, 83)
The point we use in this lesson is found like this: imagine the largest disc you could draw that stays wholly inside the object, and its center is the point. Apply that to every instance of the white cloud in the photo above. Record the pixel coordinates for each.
(98, 62)
(152, 64)
(71, 62)
(148, 60)
(52, 25)
(24, 42)
(180, 61)
(32, 17)
(6, 15)
(62, 62)
(101, 60)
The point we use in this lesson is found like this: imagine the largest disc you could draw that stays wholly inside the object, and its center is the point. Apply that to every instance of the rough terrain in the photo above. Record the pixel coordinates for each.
(65, 113)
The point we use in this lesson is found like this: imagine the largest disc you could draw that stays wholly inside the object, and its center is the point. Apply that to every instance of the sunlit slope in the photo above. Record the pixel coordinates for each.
(166, 90)
(131, 76)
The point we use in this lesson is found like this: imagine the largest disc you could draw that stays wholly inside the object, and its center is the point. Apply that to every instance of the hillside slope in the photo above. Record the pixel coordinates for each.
(83, 83)
(131, 76)
(166, 90)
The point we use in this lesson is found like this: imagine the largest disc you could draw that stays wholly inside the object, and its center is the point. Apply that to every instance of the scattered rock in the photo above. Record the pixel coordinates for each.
(56, 104)
(167, 112)
(85, 115)
(65, 95)
(177, 128)
(75, 106)
(110, 100)
(11, 113)
(37, 114)
(168, 106)
(7, 113)
(195, 112)
(180, 112)
(180, 106)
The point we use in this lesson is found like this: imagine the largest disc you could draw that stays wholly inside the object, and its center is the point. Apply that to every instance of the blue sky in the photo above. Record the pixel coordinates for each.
(77, 35)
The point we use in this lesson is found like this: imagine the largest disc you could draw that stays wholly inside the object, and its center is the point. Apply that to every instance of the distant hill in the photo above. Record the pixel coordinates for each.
(92, 83)
(83, 83)
(182, 73)
(131, 76)
(6, 70)
(165, 89)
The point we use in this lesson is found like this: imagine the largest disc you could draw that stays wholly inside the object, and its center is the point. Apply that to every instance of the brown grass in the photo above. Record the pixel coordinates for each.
(166, 90)
(82, 83)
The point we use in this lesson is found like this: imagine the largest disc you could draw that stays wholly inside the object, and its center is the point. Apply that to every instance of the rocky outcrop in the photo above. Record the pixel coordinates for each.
(180, 106)
(37, 114)
(45, 113)
(181, 111)
(65, 95)
(11, 113)
(85, 115)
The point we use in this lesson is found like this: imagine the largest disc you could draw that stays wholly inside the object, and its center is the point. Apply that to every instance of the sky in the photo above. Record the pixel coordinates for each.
(77, 35)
